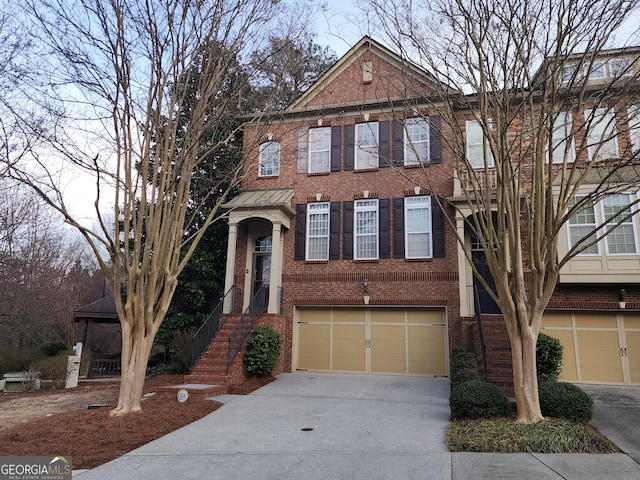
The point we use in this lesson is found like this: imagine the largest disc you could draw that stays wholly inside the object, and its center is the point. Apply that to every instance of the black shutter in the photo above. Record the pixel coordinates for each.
(349, 146)
(301, 231)
(398, 143)
(383, 144)
(384, 230)
(334, 231)
(437, 226)
(336, 145)
(347, 230)
(435, 140)
(398, 228)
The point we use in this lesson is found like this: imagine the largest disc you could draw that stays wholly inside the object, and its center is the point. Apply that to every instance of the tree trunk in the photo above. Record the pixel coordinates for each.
(525, 377)
(136, 347)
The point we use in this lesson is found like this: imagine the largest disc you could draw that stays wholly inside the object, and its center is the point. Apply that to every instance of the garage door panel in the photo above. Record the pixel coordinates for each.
(633, 352)
(569, 371)
(348, 315)
(427, 350)
(604, 320)
(387, 316)
(388, 349)
(349, 348)
(599, 356)
(314, 347)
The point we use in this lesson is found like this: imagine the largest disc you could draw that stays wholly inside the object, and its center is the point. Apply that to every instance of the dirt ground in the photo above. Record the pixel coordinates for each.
(59, 422)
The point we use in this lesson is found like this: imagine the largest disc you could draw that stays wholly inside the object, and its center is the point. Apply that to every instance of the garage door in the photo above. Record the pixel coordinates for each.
(395, 341)
(598, 348)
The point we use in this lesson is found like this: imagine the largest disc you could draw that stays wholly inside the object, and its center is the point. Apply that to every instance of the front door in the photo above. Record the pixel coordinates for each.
(487, 303)
(261, 271)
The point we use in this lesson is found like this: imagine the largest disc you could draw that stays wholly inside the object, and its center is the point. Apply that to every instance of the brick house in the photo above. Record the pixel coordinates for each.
(351, 256)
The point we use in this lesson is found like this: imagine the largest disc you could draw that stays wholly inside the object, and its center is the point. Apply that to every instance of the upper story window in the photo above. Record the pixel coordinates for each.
(416, 141)
(582, 227)
(595, 71)
(366, 145)
(602, 139)
(366, 229)
(620, 67)
(633, 113)
(269, 159)
(317, 231)
(561, 137)
(418, 234)
(319, 149)
(568, 73)
(477, 147)
(598, 70)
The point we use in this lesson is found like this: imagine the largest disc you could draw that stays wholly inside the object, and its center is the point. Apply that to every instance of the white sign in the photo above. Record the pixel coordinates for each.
(183, 395)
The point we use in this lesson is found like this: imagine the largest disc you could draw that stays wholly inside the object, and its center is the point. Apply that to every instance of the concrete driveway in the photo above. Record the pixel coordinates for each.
(306, 426)
(616, 413)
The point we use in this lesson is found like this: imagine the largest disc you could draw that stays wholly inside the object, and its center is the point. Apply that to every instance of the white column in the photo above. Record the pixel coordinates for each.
(276, 268)
(231, 266)
(464, 290)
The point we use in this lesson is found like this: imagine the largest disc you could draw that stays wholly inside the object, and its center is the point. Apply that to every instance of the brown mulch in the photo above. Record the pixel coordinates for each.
(91, 436)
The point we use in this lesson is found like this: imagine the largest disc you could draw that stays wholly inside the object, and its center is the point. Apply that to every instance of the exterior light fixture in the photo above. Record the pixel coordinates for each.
(621, 298)
(365, 285)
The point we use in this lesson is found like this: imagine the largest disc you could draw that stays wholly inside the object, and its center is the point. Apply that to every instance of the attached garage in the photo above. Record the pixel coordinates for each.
(598, 347)
(407, 341)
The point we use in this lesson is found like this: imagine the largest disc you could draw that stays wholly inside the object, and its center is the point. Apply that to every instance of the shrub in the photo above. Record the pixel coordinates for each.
(52, 349)
(17, 359)
(463, 365)
(263, 350)
(476, 399)
(565, 400)
(54, 368)
(548, 357)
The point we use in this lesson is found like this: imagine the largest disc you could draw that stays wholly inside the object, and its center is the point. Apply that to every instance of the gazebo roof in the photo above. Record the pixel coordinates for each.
(102, 309)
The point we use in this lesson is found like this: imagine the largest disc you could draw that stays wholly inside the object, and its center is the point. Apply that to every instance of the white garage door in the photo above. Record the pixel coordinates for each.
(385, 340)
(598, 347)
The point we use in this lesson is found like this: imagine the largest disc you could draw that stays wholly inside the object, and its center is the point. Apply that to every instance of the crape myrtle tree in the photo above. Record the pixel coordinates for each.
(110, 74)
(517, 70)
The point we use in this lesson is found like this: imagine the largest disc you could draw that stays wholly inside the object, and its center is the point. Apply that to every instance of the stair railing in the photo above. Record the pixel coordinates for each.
(214, 322)
(245, 324)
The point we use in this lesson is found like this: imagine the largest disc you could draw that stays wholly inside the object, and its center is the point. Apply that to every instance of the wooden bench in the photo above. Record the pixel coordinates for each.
(20, 381)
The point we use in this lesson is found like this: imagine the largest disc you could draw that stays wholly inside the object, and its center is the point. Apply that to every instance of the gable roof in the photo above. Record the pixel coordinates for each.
(366, 44)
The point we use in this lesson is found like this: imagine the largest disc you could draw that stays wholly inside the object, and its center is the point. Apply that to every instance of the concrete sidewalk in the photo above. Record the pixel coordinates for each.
(333, 426)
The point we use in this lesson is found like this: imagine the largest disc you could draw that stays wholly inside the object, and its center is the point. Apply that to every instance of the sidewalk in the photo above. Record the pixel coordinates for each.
(333, 426)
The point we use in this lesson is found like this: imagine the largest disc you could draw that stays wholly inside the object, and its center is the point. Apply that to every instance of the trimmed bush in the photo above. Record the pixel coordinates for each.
(463, 365)
(54, 368)
(476, 399)
(565, 400)
(548, 357)
(52, 349)
(263, 350)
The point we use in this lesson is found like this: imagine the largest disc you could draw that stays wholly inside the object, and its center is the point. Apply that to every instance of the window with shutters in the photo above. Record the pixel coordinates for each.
(366, 229)
(418, 235)
(416, 141)
(319, 150)
(269, 159)
(317, 240)
(366, 146)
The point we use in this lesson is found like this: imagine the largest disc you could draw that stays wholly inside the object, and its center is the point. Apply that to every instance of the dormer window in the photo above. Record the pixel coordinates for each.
(620, 67)
(595, 71)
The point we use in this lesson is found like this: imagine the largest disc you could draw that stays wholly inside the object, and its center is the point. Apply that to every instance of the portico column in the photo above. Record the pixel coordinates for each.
(230, 268)
(276, 268)
(464, 288)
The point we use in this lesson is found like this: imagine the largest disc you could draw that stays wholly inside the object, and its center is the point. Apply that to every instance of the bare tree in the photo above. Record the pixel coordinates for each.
(517, 72)
(121, 73)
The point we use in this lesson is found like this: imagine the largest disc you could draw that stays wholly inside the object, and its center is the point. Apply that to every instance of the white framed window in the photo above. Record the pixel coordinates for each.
(582, 227)
(620, 239)
(366, 154)
(366, 229)
(416, 141)
(602, 139)
(418, 235)
(633, 113)
(319, 149)
(317, 231)
(477, 147)
(561, 134)
(269, 159)
(595, 71)
(620, 67)
(568, 73)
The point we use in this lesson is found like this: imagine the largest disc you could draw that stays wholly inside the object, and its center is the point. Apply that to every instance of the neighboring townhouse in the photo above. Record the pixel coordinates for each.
(336, 235)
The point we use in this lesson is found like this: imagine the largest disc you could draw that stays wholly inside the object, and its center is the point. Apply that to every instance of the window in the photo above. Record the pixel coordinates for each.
(562, 133)
(568, 73)
(620, 67)
(595, 71)
(366, 145)
(634, 127)
(418, 236)
(366, 229)
(581, 225)
(319, 149)
(477, 148)
(416, 141)
(367, 72)
(269, 159)
(621, 240)
(318, 231)
(602, 140)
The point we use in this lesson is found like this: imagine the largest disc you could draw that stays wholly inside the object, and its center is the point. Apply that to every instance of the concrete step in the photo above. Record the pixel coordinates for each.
(195, 390)
(217, 379)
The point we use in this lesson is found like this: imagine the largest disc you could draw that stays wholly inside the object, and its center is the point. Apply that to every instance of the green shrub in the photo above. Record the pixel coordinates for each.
(476, 399)
(548, 357)
(565, 400)
(463, 365)
(263, 350)
(54, 368)
(52, 349)
(17, 359)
